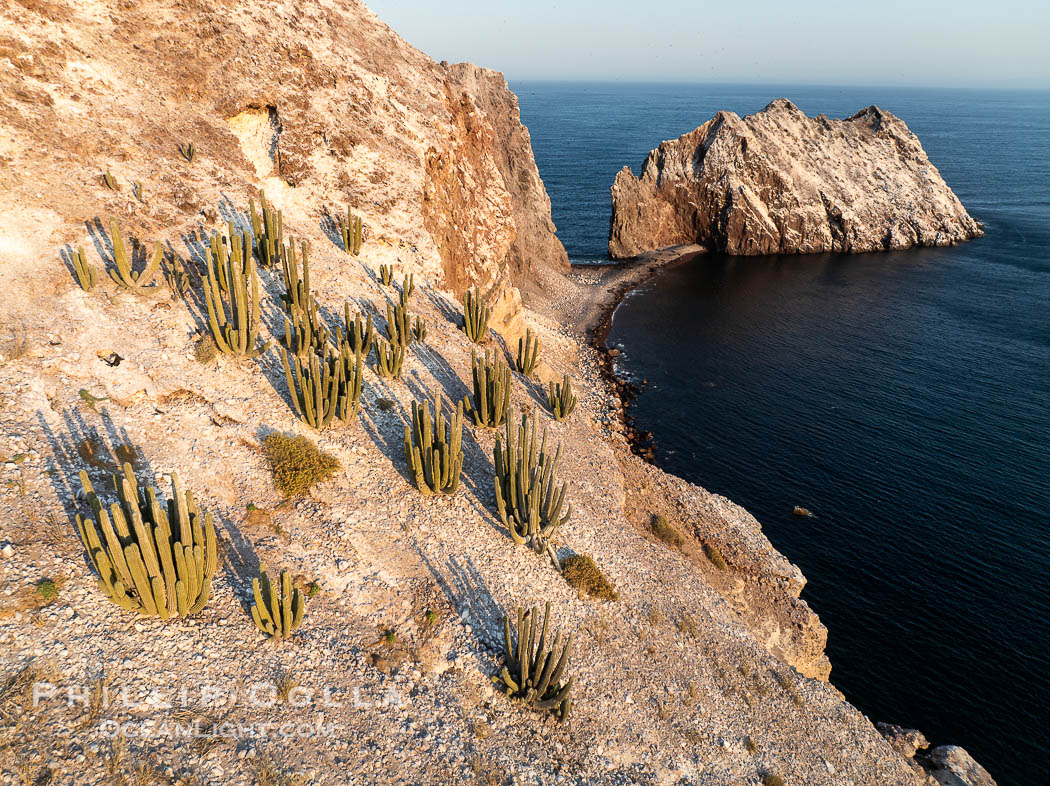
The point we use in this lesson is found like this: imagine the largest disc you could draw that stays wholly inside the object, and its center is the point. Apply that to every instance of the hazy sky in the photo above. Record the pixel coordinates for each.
(1003, 43)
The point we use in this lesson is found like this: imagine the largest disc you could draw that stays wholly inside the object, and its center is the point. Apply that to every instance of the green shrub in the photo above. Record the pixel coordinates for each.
(297, 463)
(665, 531)
(47, 590)
(772, 780)
(583, 573)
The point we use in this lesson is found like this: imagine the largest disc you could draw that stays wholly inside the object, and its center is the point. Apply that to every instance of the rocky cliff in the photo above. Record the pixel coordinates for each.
(319, 104)
(778, 182)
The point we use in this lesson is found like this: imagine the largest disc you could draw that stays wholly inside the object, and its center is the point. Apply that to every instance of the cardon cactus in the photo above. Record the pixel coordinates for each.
(389, 358)
(358, 332)
(434, 448)
(398, 324)
(276, 614)
(316, 388)
(419, 329)
(222, 247)
(350, 379)
(268, 232)
(561, 399)
(154, 558)
(408, 286)
(352, 232)
(124, 275)
(532, 674)
(83, 269)
(304, 330)
(188, 151)
(528, 497)
(386, 274)
(109, 181)
(475, 316)
(491, 398)
(528, 353)
(234, 324)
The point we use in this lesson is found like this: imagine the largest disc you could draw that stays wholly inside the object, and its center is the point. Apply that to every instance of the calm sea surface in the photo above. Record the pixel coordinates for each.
(904, 398)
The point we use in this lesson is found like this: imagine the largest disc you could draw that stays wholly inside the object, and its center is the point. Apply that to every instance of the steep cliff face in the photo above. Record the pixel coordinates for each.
(321, 104)
(778, 182)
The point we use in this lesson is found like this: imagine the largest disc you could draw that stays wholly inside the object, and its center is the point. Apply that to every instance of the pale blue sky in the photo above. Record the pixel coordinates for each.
(1003, 43)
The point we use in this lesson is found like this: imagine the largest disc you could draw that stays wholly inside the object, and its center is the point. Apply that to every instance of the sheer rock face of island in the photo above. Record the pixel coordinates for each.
(778, 182)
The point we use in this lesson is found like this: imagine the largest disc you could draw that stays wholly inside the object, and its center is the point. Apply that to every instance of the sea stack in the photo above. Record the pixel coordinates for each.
(778, 182)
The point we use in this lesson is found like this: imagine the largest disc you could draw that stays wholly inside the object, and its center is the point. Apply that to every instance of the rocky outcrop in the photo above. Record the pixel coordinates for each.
(320, 105)
(945, 765)
(778, 182)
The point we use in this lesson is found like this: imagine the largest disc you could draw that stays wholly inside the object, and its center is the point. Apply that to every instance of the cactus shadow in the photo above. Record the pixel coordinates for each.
(79, 446)
(386, 429)
(241, 219)
(466, 590)
(66, 255)
(441, 371)
(330, 227)
(443, 307)
(100, 240)
(239, 557)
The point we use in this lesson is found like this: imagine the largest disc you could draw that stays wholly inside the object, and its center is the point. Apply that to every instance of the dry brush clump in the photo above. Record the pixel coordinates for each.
(583, 573)
(297, 463)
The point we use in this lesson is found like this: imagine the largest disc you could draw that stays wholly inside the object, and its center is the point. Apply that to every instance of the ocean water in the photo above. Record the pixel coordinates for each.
(904, 398)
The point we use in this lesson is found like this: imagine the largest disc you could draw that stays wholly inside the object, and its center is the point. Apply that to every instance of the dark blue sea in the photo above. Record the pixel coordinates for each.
(904, 398)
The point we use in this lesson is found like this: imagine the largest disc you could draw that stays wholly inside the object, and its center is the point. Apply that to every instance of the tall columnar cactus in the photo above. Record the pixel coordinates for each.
(386, 274)
(234, 323)
(529, 348)
(358, 332)
(109, 181)
(561, 399)
(268, 231)
(491, 398)
(434, 448)
(152, 556)
(84, 270)
(408, 286)
(528, 497)
(419, 329)
(124, 275)
(304, 330)
(276, 614)
(350, 379)
(222, 247)
(475, 316)
(352, 231)
(316, 388)
(532, 674)
(390, 357)
(398, 324)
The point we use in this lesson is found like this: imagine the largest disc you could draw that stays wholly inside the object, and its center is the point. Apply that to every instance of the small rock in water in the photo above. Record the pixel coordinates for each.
(801, 511)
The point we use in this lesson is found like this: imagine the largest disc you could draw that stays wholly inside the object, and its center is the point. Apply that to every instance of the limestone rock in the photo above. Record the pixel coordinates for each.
(778, 182)
(950, 765)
